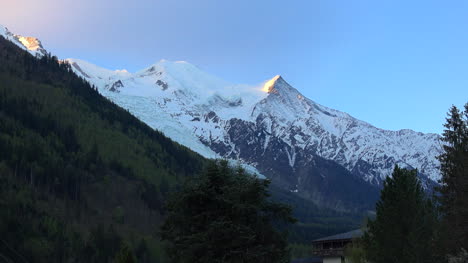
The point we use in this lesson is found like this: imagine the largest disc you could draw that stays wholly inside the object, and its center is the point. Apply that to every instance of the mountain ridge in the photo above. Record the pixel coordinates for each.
(261, 125)
(243, 122)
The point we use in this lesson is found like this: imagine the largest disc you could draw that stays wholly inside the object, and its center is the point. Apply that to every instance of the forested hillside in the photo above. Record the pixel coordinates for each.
(78, 173)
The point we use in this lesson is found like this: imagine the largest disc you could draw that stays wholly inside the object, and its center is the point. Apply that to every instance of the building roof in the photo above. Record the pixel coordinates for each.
(348, 235)
(307, 260)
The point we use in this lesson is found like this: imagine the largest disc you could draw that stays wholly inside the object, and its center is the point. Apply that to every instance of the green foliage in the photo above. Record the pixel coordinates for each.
(225, 216)
(461, 257)
(355, 252)
(125, 255)
(300, 250)
(119, 215)
(405, 219)
(453, 191)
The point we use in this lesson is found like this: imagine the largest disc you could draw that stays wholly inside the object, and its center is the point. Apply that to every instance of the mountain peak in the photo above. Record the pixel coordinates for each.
(30, 44)
(165, 62)
(171, 66)
(279, 87)
(270, 84)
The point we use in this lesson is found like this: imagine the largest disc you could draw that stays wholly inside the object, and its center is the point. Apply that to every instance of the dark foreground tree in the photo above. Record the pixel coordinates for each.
(225, 215)
(125, 255)
(403, 228)
(454, 183)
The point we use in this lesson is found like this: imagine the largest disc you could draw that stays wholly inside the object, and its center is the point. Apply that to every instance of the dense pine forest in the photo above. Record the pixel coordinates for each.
(82, 180)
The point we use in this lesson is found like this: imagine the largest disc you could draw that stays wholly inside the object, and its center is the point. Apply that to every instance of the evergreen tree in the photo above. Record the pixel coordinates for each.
(454, 184)
(403, 228)
(125, 255)
(225, 216)
(355, 252)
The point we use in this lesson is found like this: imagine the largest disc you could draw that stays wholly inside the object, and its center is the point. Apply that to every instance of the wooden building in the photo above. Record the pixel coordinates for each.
(331, 248)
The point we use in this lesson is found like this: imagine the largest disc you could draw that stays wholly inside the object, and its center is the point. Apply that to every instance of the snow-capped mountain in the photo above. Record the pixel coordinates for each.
(208, 107)
(271, 126)
(31, 44)
(301, 145)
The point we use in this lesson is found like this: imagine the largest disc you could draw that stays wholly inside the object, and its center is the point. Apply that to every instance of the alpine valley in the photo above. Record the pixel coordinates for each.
(308, 150)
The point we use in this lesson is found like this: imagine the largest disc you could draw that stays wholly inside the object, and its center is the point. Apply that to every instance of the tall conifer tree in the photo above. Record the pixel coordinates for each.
(225, 216)
(403, 228)
(454, 184)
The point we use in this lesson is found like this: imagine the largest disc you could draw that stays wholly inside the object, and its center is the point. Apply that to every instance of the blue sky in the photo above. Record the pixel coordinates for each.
(395, 64)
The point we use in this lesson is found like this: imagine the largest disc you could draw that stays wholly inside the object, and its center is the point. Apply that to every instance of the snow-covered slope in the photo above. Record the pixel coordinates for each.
(197, 109)
(147, 95)
(31, 44)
